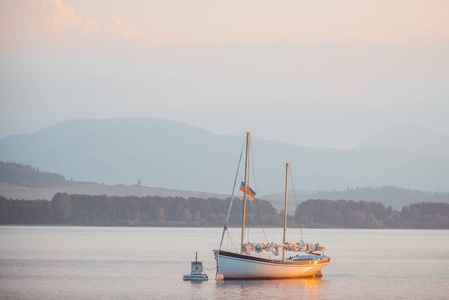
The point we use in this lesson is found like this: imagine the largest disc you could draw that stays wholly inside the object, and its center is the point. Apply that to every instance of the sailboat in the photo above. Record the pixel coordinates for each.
(241, 265)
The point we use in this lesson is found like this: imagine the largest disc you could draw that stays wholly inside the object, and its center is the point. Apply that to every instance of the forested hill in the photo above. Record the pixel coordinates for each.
(389, 195)
(103, 210)
(28, 176)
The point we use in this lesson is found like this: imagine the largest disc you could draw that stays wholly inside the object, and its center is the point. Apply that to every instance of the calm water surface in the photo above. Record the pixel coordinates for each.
(135, 263)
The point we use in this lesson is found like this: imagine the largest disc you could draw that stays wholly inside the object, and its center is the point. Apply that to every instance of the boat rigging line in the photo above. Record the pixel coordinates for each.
(296, 204)
(232, 197)
(255, 187)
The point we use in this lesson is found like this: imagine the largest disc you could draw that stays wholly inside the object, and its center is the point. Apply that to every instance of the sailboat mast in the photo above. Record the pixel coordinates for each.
(244, 193)
(287, 165)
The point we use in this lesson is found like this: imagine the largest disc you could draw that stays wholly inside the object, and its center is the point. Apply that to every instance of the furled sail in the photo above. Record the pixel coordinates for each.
(248, 248)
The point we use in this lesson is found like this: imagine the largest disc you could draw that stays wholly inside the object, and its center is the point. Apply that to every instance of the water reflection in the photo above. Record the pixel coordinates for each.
(312, 288)
(197, 290)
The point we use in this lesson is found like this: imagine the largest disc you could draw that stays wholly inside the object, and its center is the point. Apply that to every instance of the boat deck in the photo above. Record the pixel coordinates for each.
(295, 260)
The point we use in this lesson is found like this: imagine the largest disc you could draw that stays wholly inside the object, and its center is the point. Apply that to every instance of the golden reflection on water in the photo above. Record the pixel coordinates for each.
(311, 288)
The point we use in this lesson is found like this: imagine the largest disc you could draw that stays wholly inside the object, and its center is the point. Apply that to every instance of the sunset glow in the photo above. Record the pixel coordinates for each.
(196, 61)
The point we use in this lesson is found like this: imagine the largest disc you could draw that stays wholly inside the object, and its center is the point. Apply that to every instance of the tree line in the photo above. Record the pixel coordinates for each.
(397, 197)
(103, 210)
(362, 214)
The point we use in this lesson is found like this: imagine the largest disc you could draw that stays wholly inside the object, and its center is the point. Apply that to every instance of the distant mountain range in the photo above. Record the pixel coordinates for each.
(409, 138)
(171, 155)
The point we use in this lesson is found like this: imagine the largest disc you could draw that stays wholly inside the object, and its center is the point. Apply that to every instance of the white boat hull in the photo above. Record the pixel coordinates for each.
(238, 266)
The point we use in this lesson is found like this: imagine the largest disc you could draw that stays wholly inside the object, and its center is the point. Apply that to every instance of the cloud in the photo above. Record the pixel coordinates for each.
(124, 29)
(60, 16)
(53, 23)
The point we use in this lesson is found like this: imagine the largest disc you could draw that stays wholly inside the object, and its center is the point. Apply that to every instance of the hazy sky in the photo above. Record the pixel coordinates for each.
(314, 73)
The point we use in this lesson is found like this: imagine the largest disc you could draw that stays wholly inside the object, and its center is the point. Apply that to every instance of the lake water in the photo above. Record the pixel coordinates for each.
(148, 263)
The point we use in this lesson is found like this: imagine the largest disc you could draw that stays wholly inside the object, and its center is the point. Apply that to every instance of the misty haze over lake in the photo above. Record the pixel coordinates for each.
(177, 156)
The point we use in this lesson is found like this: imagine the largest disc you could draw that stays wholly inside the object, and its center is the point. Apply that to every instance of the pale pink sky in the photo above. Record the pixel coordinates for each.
(198, 23)
(334, 71)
